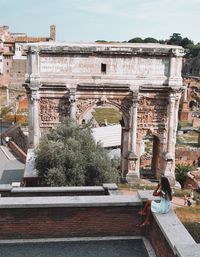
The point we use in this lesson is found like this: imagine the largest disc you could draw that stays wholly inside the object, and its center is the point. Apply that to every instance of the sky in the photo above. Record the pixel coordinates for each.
(111, 20)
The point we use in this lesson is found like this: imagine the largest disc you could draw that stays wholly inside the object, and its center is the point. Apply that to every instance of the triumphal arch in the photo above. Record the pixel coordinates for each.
(142, 81)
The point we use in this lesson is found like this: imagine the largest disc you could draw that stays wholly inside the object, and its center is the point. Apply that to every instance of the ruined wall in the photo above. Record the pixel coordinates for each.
(17, 73)
(187, 155)
(16, 134)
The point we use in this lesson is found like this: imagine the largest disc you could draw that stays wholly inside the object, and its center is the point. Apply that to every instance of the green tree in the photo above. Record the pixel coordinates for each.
(136, 40)
(69, 156)
(175, 39)
(185, 42)
(150, 40)
(181, 171)
(194, 50)
(101, 41)
(5, 111)
(161, 41)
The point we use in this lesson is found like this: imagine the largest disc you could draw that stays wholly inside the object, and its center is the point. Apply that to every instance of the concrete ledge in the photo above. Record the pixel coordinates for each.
(177, 236)
(186, 250)
(5, 187)
(110, 186)
(56, 189)
(70, 239)
(70, 201)
(173, 230)
(145, 195)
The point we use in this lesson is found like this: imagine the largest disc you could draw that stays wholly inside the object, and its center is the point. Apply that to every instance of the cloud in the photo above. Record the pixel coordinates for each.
(109, 7)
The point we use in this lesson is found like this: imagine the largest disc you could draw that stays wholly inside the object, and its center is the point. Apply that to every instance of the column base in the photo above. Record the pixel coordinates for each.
(171, 179)
(132, 178)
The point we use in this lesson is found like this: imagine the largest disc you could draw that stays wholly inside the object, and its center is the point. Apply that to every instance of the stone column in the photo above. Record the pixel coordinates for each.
(30, 120)
(35, 68)
(171, 138)
(185, 95)
(7, 96)
(134, 126)
(175, 67)
(124, 150)
(72, 99)
(35, 119)
(133, 170)
(176, 109)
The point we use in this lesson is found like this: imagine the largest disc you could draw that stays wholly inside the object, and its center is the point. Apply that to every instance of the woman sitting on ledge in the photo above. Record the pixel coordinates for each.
(162, 206)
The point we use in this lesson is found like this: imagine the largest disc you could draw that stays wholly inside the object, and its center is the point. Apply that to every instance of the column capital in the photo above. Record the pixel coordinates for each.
(72, 99)
(135, 99)
(134, 104)
(72, 95)
(172, 97)
(35, 95)
(178, 52)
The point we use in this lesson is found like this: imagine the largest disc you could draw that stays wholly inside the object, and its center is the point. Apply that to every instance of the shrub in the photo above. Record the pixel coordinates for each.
(181, 171)
(69, 156)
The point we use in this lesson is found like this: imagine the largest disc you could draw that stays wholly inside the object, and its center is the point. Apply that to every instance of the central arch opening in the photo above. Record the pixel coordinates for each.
(106, 116)
(107, 130)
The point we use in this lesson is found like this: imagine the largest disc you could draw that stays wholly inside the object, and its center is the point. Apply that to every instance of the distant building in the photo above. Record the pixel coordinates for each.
(7, 46)
(12, 56)
(190, 101)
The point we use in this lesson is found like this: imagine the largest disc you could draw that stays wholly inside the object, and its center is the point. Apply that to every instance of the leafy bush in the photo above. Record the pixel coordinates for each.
(4, 111)
(69, 156)
(181, 171)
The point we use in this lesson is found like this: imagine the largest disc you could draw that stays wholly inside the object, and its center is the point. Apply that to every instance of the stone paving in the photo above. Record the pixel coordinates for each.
(11, 168)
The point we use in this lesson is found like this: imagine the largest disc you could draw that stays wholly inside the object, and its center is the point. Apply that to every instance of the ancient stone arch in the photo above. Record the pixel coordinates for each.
(120, 99)
(143, 81)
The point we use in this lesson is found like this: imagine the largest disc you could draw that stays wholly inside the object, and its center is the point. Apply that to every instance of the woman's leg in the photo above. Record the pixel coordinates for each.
(148, 217)
(144, 210)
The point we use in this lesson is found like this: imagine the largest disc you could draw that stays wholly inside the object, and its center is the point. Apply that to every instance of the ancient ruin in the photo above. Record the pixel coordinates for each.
(142, 81)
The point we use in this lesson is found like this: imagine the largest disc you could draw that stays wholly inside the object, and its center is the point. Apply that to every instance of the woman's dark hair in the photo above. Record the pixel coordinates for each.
(165, 186)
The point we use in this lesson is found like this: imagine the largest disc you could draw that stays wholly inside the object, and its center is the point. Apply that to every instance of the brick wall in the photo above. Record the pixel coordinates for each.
(61, 222)
(16, 134)
(186, 155)
(158, 241)
(196, 122)
(17, 72)
(18, 151)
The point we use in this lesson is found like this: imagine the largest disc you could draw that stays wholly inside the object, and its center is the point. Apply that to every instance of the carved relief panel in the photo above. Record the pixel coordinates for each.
(152, 112)
(53, 111)
(152, 117)
(82, 105)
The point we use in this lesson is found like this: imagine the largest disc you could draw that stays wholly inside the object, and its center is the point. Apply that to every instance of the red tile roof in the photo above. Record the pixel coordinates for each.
(31, 39)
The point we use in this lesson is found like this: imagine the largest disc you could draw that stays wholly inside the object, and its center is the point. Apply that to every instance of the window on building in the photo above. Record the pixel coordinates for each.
(103, 68)
(7, 63)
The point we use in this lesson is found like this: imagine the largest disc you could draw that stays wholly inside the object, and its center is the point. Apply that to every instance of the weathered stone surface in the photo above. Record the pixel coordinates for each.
(142, 81)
